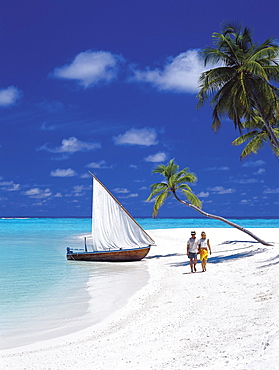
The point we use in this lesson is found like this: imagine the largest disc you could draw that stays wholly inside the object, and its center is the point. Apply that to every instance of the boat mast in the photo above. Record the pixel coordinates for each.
(124, 209)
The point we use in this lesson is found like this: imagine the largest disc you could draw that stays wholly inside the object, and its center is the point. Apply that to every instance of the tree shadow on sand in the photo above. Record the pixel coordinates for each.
(271, 262)
(231, 250)
(222, 259)
(237, 241)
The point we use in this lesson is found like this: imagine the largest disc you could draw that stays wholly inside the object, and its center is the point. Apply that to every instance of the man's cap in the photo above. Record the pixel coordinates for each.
(193, 233)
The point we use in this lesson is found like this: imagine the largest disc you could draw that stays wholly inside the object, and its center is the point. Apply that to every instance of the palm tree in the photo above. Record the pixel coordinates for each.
(241, 84)
(255, 138)
(174, 182)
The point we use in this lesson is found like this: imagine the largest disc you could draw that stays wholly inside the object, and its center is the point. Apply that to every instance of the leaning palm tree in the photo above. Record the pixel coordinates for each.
(256, 138)
(175, 181)
(241, 83)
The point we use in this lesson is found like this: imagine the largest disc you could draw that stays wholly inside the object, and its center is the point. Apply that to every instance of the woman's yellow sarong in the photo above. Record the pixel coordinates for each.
(203, 254)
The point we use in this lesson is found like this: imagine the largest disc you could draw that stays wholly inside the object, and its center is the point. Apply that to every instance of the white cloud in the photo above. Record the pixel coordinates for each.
(39, 204)
(254, 164)
(247, 181)
(58, 195)
(158, 157)
(101, 164)
(271, 191)
(144, 136)
(9, 186)
(133, 195)
(221, 190)
(121, 190)
(221, 168)
(260, 171)
(63, 173)
(203, 194)
(9, 96)
(144, 188)
(180, 73)
(85, 176)
(72, 145)
(79, 189)
(38, 193)
(133, 166)
(90, 68)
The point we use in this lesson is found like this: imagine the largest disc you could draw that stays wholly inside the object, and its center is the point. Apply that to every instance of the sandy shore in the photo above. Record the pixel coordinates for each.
(225, 318)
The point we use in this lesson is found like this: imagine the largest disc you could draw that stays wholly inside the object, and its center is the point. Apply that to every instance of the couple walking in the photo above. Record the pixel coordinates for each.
(195, 247)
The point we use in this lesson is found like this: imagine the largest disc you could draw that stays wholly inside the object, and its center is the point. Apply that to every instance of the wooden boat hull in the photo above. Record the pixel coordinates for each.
(127, 255)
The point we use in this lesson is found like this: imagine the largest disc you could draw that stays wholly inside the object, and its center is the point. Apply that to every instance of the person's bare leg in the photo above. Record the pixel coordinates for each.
(203, 265)
(195, 262)
(191, 265)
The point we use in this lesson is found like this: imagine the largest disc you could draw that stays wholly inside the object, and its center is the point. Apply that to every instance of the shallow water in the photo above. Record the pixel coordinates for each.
(44, 295)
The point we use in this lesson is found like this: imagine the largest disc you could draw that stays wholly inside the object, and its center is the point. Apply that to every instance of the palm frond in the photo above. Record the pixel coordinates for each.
(157, 189)
(183, 186)
(192, 198)
(248, 136)
(253, 146)
(159, 201)
(187, 177)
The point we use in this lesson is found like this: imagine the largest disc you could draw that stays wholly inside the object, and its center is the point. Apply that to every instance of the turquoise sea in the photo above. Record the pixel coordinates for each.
(43, 295)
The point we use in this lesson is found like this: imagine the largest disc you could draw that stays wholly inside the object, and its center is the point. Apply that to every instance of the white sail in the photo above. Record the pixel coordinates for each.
(112, 227)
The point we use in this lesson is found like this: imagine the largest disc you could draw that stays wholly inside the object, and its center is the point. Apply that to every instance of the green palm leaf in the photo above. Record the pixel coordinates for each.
(253, 146)
(175, 180)
(159, 201)
(255, 139)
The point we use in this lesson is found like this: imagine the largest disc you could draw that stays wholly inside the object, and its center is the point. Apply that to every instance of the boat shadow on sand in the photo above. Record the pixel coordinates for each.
(164, 255)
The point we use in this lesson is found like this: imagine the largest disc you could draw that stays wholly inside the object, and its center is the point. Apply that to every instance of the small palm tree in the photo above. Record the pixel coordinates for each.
(174, 182)
(241, 83)
(256, 138)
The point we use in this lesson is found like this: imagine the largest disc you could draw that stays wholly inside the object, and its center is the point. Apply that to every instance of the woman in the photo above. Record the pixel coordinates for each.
(204, 247)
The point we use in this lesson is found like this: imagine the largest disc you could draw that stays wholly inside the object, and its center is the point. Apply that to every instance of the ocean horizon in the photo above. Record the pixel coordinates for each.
(142, 217)
(43, 294)
(170, 222)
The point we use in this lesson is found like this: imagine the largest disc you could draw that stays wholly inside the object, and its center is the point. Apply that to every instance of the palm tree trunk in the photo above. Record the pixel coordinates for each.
(221, 219)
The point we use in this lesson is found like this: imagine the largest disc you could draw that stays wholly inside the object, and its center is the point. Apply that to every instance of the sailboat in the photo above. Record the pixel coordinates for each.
(116, 235)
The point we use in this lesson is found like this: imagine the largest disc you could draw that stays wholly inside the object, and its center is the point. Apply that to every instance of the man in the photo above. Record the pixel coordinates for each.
(192, 251)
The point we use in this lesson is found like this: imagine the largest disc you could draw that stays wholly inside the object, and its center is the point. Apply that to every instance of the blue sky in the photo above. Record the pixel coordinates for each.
(110, 87)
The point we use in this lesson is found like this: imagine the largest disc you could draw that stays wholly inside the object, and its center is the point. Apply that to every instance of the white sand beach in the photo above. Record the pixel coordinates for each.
(224, 318)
